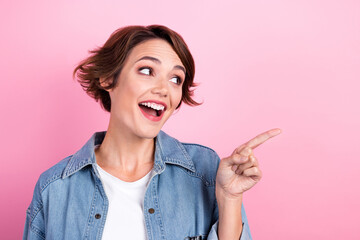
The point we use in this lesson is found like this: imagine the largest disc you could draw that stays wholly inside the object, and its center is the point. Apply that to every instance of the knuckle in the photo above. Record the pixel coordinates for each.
(244, 159)
(254, 160)
(248, 150)
(236, 157)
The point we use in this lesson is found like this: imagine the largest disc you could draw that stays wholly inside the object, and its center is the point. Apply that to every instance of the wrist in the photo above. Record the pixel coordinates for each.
(230, 217)
(223, 195)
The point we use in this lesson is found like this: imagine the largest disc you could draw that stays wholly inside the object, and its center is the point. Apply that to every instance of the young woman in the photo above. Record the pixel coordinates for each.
(134, 181)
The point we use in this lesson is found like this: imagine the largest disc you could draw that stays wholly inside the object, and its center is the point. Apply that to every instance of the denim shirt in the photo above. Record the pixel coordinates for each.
(69, 201)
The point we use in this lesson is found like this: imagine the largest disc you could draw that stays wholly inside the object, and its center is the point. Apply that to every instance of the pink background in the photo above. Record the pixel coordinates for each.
(294, 65)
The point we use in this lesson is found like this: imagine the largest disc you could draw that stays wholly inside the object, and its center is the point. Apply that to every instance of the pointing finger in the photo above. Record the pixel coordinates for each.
(261, 138)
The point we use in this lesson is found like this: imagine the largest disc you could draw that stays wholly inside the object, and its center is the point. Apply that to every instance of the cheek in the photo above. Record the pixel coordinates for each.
(176, 99)
(180, 94)
(122, 98)
(128, 91)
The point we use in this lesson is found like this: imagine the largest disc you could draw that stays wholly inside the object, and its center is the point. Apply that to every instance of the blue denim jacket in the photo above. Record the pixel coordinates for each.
(69, 200)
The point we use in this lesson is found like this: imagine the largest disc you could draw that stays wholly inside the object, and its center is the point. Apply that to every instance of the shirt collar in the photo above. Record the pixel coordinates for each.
(167, 150)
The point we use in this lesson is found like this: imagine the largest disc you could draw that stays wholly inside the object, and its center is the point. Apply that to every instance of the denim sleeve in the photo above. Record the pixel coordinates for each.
(34, 224)
(31, 232)
(245, 234)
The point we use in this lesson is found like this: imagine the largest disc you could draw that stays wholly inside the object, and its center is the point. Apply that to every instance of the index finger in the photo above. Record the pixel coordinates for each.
(261, 138)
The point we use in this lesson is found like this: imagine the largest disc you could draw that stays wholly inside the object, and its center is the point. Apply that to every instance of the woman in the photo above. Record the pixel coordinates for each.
(134, 181)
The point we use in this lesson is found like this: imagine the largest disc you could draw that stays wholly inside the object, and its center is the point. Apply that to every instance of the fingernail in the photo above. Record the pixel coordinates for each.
(277, 131)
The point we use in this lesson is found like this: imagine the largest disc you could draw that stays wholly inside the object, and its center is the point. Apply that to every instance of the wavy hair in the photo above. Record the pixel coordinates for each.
(107, 61)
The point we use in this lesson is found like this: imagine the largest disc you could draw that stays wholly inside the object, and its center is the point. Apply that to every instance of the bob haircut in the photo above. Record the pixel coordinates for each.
(107, 61)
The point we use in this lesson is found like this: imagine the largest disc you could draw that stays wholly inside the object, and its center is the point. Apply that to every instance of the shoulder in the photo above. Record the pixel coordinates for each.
(197, 151)
(53, 173)
(205, 160)
(201, 155)
(202, 161)
(45, 179)
(49, 176)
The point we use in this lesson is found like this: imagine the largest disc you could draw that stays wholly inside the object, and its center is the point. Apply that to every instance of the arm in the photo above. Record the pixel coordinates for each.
(237, 174)
(230, 217)
(245, 233)
(31, 232)
(34, 223)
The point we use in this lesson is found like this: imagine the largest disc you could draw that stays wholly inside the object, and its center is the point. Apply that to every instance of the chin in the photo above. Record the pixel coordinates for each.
(149, 133)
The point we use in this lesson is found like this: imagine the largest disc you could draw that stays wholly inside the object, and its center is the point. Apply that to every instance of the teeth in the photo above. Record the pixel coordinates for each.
(153, 105)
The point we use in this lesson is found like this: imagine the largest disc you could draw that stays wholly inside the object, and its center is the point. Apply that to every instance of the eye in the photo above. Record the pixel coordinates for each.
(177, 80)
(146, 70)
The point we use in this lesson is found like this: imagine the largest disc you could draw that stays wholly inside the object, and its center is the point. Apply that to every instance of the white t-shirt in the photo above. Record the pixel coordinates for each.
(125, 218)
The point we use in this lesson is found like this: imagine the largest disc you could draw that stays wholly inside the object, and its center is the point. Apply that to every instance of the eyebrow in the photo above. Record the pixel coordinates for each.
(157, 61)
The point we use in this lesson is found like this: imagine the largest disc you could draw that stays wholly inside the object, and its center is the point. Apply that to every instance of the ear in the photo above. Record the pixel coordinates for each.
(105, 82)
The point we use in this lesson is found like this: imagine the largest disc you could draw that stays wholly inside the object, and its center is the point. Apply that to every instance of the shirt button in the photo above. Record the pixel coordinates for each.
(151, 210)
(97, 216)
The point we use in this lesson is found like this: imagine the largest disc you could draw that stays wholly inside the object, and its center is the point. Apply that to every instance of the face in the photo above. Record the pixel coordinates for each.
(149, 89)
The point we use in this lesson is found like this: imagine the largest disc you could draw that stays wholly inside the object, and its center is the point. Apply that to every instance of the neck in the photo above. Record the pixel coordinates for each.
(124, 154)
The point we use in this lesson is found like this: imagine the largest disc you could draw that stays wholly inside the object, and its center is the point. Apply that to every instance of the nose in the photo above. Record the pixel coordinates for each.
(160, 89)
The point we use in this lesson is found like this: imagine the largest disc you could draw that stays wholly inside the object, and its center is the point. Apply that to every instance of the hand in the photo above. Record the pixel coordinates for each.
(240, 171)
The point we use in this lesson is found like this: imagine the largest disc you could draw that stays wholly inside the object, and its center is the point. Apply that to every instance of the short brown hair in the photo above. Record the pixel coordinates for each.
(107, 61)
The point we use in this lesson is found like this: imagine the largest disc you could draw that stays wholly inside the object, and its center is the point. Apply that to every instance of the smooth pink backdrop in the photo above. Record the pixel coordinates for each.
(294, 65)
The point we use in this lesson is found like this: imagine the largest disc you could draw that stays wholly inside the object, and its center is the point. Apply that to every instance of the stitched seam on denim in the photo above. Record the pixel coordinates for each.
(158, 213)
(81, 165)
(181, 163)
(68, 158)
(77, 167)
(160, 149)
(90, 219)
(183, 150)
(210, 183)
(39, 206)
(104, 209)
(52, 179)
(37, 231)
(189, 163)
(71, 164)
(148, 228)
(36, 211)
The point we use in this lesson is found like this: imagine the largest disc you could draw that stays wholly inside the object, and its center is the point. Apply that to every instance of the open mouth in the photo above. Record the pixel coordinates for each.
(152, 109)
